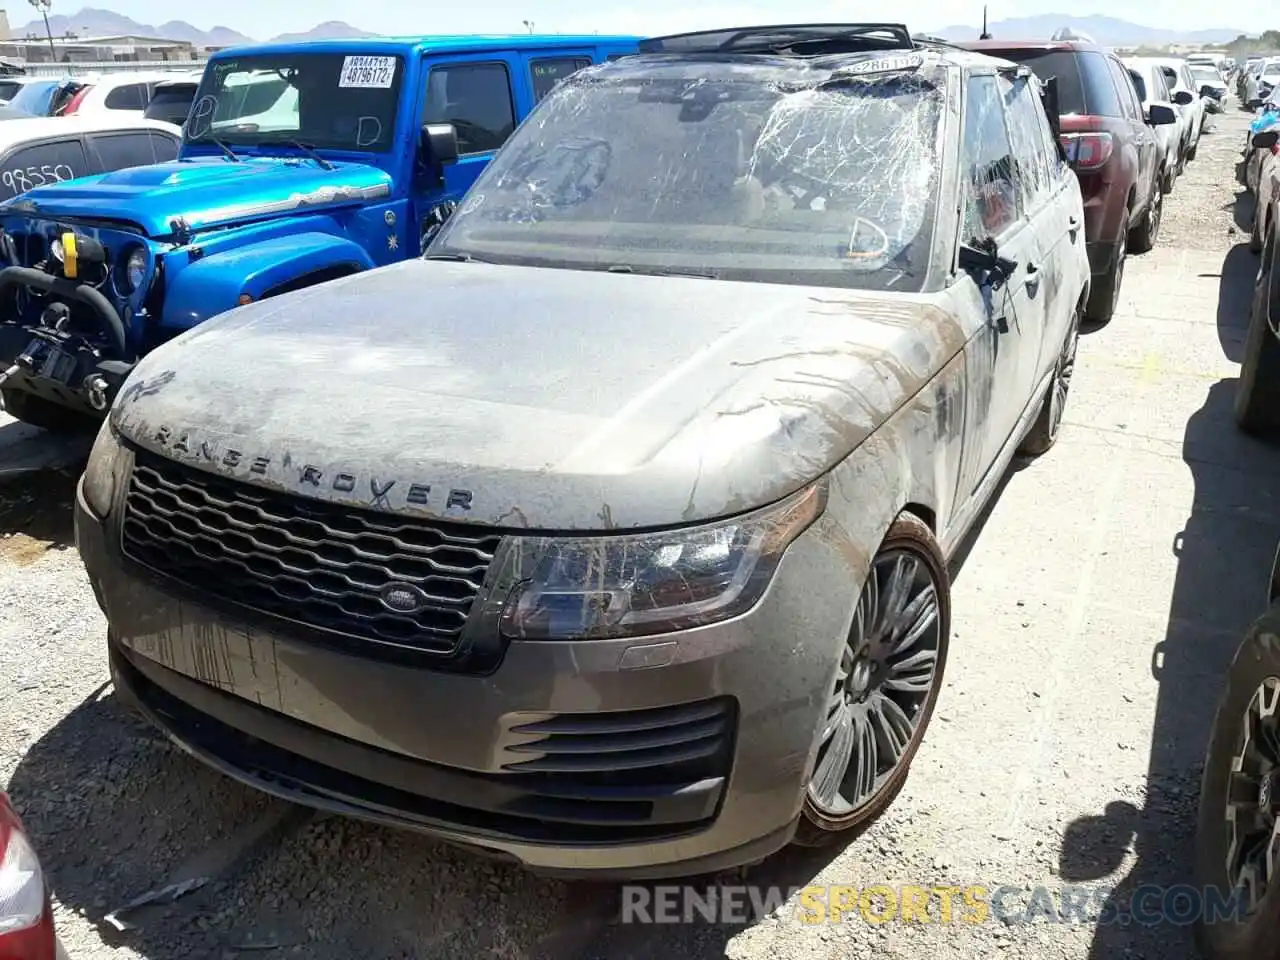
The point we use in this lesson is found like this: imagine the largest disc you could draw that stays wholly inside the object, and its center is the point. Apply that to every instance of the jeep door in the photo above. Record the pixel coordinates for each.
(999, 374)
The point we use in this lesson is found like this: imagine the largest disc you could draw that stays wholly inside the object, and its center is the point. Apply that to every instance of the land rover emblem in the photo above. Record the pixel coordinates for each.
(402, 598)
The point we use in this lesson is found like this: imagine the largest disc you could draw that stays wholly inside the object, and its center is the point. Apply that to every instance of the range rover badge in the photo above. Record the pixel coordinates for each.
(402, 598)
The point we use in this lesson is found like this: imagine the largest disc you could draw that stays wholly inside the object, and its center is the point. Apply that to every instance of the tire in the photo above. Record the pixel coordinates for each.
(1191, 151)
(1255, 234)
(1257, 402)
(1167, 179)
(39, 412)
(1105, 295)
(1252, 681)
(1143, 237)
(1044, 432)
(840, 797)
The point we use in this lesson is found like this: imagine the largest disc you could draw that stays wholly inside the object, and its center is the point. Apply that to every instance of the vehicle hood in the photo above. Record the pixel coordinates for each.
(555, 399)
(205, 191)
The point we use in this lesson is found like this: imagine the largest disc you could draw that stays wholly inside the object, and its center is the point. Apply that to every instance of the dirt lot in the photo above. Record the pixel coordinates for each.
(1094, 617)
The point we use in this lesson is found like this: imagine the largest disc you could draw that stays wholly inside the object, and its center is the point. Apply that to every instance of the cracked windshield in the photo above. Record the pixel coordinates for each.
(651, 481)
(782, 175)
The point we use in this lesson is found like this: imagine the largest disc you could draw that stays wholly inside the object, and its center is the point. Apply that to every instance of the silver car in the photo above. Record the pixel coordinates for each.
(612, 536)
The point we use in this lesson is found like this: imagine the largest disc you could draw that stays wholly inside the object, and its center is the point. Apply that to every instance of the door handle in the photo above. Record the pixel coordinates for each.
(1033, 278)
(1073, 226)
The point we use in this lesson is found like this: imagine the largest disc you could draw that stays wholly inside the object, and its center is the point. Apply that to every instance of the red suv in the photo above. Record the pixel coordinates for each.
(1109, 142)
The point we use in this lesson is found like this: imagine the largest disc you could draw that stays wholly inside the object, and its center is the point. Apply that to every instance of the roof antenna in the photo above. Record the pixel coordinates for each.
(985, 34)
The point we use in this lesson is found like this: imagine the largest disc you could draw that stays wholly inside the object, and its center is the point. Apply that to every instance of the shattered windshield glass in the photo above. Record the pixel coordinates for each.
(785, 173)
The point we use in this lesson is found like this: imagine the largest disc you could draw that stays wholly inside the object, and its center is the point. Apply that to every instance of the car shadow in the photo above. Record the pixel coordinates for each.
(1235, 293)
(117, 811)
(1223, 556)
(36, 513)
(1243, 206)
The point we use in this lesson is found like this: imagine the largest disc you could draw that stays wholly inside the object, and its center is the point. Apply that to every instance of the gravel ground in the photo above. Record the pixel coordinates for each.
(1093, 618)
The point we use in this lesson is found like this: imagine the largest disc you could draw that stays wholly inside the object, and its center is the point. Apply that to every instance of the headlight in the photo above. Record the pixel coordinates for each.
(100, 472)
(55, 249)
(135, 268)
(631, 585)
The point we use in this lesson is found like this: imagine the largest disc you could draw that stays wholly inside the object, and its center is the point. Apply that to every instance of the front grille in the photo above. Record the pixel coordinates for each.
(308, 561)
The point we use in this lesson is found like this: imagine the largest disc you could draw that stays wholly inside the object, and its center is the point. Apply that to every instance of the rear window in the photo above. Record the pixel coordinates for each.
(1084, 82)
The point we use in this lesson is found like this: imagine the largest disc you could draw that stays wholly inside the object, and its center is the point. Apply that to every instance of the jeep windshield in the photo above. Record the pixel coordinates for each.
(331, 101)
(743, 169)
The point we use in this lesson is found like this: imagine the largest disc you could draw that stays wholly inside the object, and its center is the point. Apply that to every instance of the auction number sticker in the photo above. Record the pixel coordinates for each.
(376, 72)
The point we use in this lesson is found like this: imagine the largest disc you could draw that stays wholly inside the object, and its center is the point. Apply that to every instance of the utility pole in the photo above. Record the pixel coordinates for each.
(43, 6)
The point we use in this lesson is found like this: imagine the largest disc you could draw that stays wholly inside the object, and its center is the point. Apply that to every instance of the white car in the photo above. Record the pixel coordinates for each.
(39, 150)
(116, 93)
(1153, 88)
(1261, 82)
(1186, 97)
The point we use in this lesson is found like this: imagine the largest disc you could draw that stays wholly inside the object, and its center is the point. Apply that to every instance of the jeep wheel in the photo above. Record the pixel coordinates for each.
(1237, 839)
(1044, 431)
(1105, 295)
(1143, 237)
(885, 687)
(39, 412)
(1257, 404)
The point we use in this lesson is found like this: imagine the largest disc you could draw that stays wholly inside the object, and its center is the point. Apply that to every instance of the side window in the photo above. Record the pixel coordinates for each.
(545, 74)
(163, 146)
(120, 150)
(1159, 88)
(1139, 85)
(1188, 80)
(1129, 106)
(1031, 166)
(1100, 92)
(131, 96)
(476, 99)
(42, 163)
(987, 158)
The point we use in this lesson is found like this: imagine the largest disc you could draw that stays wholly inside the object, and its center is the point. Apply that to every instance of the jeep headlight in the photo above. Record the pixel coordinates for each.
(636, 584)
(99, 480)
(135, 268)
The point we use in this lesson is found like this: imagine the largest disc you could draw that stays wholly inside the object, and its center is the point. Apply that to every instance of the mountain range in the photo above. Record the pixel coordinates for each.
(95, 22)
(1109, 31)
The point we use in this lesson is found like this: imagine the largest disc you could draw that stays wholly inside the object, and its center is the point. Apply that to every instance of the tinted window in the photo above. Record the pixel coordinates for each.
(545, 74)
(1159, 88)
(171, 104)
(1084, 81)
(117, 151)
(8, 88)
(1129, 105)
(988, 160)
(41, 163)
(476, 99)
(131, 96)
(1138, 84)
(163, 146)
(1031, 166)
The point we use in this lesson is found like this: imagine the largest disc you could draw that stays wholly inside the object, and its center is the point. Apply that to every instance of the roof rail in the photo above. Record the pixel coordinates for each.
(797, 39)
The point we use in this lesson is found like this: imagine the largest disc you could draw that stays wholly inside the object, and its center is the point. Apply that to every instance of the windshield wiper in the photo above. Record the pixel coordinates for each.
(661, 272)
(307, 148)
(453, 258)
(220, 144)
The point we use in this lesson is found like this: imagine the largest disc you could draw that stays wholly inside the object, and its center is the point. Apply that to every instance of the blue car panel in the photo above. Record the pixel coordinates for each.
(300, 163)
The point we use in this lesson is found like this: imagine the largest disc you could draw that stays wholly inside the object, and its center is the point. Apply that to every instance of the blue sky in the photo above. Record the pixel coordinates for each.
(261, 20)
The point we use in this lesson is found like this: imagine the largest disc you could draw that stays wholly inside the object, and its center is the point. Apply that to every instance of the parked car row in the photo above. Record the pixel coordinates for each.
(1129, 131)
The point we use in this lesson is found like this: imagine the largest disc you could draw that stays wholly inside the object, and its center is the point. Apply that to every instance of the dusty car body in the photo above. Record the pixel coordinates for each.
(628, 555)
(1152, 87)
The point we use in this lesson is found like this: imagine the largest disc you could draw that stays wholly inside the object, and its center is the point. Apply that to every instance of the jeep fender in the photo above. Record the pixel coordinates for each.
(213, 285)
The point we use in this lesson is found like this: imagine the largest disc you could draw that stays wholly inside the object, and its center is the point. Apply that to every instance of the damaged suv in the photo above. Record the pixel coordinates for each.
(612, 536)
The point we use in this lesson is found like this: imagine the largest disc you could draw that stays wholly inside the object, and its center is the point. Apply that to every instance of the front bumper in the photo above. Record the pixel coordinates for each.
(433, 751)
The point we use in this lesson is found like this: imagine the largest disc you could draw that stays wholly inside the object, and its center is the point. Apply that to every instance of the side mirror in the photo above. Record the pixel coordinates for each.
(1183, 98)
(1265, 140)
(440, 141)
(1159, 115)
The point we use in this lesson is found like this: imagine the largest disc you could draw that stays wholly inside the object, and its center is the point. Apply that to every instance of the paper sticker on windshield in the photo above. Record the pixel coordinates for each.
(375, 72)
(885, 65)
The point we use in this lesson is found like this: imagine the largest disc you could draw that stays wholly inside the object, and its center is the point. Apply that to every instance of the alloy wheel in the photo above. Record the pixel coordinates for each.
(882, 689)
(1253, 798)
(1155, 213)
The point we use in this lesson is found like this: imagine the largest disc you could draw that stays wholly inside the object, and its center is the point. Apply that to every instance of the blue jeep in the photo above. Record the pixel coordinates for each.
(301, 162)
